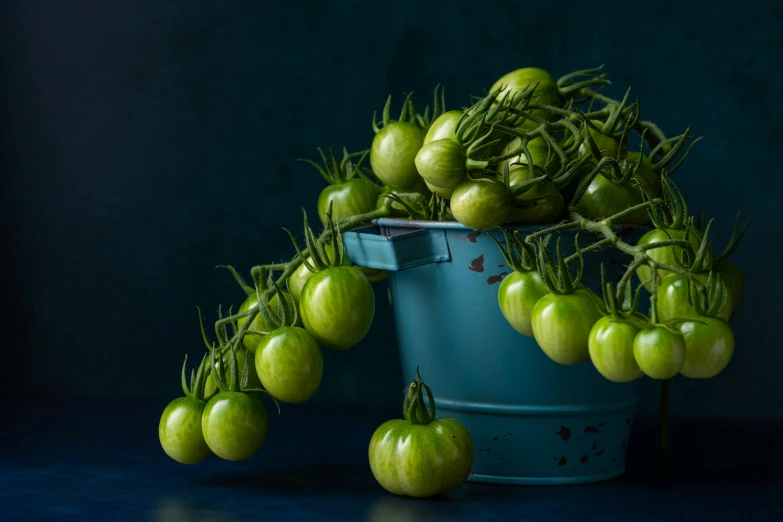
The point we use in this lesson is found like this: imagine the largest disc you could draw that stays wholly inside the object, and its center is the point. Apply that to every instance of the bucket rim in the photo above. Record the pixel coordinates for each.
(453, 225)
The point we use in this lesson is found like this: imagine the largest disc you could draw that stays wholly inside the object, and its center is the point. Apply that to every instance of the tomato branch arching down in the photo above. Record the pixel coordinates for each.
(557, 153)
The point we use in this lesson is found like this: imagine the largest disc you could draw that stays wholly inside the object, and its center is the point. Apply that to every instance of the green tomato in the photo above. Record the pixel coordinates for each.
(210, 387)
(393, 153)
(397, 210)
(709, 345)
(180, 433)
(672, 302)
(290, 364)
(669, 255)
(234, 425)
(605, 198)
(518, 293)
(732, 277)
(444, 193)
(421, 460)
(443, 127)
(350, 198)
(481, 203)
(548, 211)
(442, 163)
(250, 341)
(545, 93)
(562, 323)
(659, 352)
(337, 306)
(300, 276)
(611, 349)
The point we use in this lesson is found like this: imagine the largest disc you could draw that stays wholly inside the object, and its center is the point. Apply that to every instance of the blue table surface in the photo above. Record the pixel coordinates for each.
(101, 460)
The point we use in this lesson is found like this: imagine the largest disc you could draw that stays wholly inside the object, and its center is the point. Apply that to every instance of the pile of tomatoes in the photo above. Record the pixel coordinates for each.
(534, 150)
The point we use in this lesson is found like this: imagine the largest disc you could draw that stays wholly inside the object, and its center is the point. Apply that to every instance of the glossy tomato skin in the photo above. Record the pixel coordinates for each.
(482, 203)
(300, 276)
(397, 210)
(234, 425)
(672, 302)
(546, 93)
(393, 153)
(337, 307)
(350, 198)
(210, 388)
(735, 282)
(709, 345)
(180, 433)
(659, 353)
(548, 211)
(562, 323)
(604, 198)
(442, 163)
(517, 295)
(669, 255)
(443, 127)
(250, 341)
(611, 349)
(421, 460)
(289, 364)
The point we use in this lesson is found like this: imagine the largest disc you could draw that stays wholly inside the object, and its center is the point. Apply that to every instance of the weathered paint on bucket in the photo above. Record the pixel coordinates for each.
(533, 421)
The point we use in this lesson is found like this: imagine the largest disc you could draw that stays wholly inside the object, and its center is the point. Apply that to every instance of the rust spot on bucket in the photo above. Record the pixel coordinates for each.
(565, 433)
(591, 429)
(491, 280)
(477, 265)
(584, 459)
(594, 446)
(599, 453)
(562, 462)
(602, 424)
(472, 237)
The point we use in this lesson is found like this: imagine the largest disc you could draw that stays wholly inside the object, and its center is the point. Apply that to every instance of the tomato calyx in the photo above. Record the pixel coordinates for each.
(414, 408)
(628, 306)
(198, 378)
(287, 311)
(418, 207)
(708, 299)
(408, 113)
(335, 172)
(319, 260)
(734, 240)
(518, 255)
(556, 275)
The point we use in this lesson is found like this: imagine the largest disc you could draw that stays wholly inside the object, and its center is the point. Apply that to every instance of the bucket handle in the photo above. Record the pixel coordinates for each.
(371, 248)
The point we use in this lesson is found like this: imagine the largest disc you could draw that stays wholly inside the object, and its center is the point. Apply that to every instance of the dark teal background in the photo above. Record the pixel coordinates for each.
(143, 143)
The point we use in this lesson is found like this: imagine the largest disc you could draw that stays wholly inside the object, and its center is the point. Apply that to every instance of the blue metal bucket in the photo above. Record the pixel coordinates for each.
(533, 421)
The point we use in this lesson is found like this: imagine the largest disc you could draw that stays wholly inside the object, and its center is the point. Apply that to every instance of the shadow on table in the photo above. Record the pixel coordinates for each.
(321, 478)
(710, 452)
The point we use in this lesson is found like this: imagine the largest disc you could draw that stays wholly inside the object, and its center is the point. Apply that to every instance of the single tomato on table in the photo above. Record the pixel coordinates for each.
(420, 455)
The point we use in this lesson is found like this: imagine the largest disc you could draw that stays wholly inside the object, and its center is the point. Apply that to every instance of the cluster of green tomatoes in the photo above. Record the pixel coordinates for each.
(534, 150)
